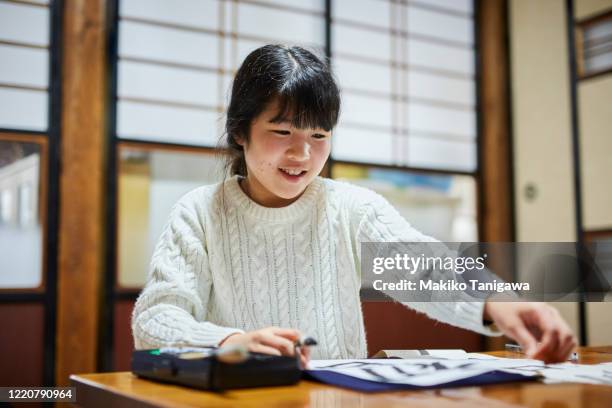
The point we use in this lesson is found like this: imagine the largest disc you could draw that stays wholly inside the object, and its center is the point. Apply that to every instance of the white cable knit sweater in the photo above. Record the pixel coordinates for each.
(225, 264)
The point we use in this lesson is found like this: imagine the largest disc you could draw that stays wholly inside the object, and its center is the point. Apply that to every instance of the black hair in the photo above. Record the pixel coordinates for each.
(302, 84)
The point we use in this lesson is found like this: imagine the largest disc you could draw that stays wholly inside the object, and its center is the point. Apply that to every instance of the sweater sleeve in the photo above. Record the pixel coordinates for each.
(171, 309)
(377, 221)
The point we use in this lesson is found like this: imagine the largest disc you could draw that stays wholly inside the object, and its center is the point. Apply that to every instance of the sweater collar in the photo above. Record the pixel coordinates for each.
(299, 207)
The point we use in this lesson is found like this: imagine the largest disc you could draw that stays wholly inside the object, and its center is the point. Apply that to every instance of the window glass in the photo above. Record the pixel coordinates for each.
(150, 182)
(442, 206)
(21, 229)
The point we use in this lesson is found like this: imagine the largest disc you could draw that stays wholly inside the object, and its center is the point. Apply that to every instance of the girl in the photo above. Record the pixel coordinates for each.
(273, 252)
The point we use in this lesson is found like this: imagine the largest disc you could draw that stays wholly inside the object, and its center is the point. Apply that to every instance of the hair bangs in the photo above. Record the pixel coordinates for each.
(307, 102)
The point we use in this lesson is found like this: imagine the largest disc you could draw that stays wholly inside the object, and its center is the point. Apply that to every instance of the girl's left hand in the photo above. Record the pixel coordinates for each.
(537, 327)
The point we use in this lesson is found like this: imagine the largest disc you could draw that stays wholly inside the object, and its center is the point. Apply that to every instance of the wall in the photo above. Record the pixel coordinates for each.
(542, 126)
(542, 138)
(595, 122)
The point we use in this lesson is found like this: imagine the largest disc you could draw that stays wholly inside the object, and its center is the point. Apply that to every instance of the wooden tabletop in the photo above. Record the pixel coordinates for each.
(122, 389)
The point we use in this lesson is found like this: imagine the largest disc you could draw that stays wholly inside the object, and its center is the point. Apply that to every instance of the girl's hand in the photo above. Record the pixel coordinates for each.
(271, 340)
(537, 327)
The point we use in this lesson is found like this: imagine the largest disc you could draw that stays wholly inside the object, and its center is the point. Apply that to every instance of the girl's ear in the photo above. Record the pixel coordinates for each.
(239, 140)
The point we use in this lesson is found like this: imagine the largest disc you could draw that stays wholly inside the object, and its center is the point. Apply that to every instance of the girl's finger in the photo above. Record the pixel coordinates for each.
(260, 348)
(306, 352)
(566, 350)
(282, 344)
(547, 349)
(519, 332)
(567, 341)
(289, 334)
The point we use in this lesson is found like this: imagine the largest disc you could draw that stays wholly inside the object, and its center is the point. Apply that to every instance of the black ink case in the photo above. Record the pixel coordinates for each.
(208, 373)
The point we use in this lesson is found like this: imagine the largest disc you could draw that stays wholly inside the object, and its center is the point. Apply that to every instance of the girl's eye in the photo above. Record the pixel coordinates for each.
(282, 132)
(319, 136)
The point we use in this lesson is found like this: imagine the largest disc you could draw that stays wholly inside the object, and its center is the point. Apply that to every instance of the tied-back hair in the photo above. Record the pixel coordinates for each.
(297, 79)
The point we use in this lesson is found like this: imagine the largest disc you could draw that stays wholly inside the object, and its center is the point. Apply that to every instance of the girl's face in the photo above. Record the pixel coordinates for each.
(282, 160)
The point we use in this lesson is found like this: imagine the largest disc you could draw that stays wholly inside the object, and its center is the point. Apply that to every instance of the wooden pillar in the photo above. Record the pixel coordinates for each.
(496, 168)
(496, 197)
(81, 219)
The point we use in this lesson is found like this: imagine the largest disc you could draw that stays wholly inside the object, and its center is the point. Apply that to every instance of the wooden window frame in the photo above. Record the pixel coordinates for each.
(579, 27)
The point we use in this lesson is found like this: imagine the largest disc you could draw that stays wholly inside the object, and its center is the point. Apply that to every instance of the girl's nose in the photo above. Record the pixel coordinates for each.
(299, 150)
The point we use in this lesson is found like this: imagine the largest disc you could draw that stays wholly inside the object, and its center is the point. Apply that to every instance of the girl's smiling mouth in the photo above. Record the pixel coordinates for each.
(292, 174)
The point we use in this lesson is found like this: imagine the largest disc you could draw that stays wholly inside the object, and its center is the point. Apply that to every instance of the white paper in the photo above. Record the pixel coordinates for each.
(418, 372)
(429, 372)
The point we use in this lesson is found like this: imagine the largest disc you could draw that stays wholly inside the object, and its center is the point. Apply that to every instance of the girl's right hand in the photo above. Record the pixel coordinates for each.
(271, 340)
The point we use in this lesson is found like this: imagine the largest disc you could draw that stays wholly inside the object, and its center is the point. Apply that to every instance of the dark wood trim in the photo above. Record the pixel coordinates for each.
(24, 87)
(26, 3)
(170, 104)
(175, 65)
(496, 150)
(579, 27)
(495, 181)
(587, 21)
(577, 179)
(10, 135)
(23, 45)
(595, 74)
(54, 136)
(590, 235)
(107, 315)
(82, 194)
(148, 146)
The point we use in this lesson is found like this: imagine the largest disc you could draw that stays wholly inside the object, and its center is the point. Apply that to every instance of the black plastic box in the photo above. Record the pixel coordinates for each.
(208, 373)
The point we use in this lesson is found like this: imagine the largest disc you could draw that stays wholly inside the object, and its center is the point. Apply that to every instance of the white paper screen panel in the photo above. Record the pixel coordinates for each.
(157, 43)
(366, 110)
(459, 6)
(24, 23)
(350, 75)
(356, 41)
(24, 66)
(192, 13)
(440, 57)
(237, 51)
(361, 145)
(280, 25)
(168, 124)
(167, 84)
(438, 25)
(423, 152)
(439, 120)
(371, 12)
(174, 64)
(439, 88)
(23, 109)
(410, 72)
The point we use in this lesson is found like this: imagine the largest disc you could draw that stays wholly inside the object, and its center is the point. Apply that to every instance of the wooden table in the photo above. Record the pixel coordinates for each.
(122, 389)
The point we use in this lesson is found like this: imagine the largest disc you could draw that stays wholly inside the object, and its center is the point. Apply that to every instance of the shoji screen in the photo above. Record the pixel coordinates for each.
(177, 58)
(24, 66)
(407, 73)
(29, 118)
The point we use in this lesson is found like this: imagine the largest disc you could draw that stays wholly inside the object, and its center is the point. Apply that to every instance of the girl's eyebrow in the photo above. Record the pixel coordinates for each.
(276, 122)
